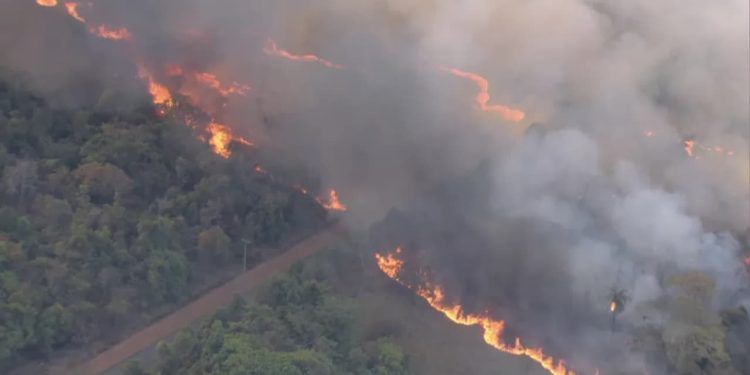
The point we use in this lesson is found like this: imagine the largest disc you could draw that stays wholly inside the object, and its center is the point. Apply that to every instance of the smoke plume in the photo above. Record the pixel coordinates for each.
(631, 161)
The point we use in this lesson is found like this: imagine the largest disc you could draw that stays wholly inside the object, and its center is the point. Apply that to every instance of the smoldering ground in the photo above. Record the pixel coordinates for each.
(601, 193)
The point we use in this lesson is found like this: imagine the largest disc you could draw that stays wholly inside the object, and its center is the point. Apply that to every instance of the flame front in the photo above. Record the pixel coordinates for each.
(482, 98)
(272, 49)
(612, 306)
(210, 80)
(392, 265)
(47, 3)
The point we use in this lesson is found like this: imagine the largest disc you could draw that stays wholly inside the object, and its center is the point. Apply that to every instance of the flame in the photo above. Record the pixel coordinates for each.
(221, 138)
(260, 170)
(104, 31)
(72, 9)
(272, 49)
(211, 81)
(160, 95)
(483, 96)
(392, 266)
(612, 306)
(47, 3)
(332, 203)
(689, 146)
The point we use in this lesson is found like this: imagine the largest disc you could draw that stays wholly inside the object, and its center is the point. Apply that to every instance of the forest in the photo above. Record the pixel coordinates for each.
(108, 216)
(299, 325)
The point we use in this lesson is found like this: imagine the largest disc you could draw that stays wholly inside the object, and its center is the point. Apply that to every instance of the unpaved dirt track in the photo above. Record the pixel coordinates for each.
(208, 303)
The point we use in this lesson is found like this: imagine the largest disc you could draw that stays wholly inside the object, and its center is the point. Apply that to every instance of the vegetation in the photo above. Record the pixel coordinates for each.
(298, 326)
(105, 214)
(695, 339)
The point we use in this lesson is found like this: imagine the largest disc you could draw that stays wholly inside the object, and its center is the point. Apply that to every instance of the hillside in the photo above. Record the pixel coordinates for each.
(108, 215)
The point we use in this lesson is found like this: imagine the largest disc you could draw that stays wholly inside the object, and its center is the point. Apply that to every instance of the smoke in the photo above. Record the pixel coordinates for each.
(535, 222)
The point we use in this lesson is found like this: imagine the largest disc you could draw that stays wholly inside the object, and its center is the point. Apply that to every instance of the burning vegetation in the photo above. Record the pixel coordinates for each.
(650, 212)
(392, 265)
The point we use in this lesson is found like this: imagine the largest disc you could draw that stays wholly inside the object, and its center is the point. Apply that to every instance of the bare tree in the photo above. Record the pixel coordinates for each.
(618, 299)
(20, 180)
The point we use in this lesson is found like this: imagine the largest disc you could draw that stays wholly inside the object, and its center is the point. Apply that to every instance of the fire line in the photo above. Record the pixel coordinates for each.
(391, 264)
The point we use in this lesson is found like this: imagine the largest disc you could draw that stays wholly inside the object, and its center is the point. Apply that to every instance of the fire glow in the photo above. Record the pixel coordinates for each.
(272, 49)
(391, 264)
(46, 3)
(72, 9)
(332, 202)
(221, 137)
(482, 97)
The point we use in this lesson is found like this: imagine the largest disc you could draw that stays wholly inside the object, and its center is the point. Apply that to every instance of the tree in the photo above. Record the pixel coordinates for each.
(21, 179)
(102, 182)
(216, 243)
(167, 275)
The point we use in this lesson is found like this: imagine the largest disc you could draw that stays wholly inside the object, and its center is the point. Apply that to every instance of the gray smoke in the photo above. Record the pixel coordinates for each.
(543, 220)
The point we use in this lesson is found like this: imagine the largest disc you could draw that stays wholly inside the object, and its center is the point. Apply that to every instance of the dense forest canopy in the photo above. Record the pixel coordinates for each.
(107, 213)
(298, 326)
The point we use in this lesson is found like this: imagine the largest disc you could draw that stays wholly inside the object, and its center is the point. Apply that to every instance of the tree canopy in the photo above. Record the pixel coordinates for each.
(107, 213)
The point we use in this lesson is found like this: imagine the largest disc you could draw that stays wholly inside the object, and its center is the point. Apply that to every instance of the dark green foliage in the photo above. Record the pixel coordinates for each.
(298, 327)
(106, 215)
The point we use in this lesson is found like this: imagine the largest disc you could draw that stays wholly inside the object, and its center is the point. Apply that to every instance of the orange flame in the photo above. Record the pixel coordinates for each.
(211, 81)
(221, 138)
(482, 98)
(272, 49)
(332, 203)
(690, 146)
(260, 170)
(72, 9)
(391, 265)
(47, 3)
(612, 306)
(160, 95)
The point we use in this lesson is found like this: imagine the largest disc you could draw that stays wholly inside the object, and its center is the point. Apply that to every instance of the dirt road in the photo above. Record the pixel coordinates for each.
(208, 303)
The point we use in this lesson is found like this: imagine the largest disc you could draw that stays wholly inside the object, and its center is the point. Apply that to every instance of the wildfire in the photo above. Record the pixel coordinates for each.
(690, 146)
(211, 81)
(47, 3)
(272, 49)
(160, 95)
(106, 32)
(221, 137)
(612, 306)
(482, 98)
(332, 203)
(72, 9)
(392, 266)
